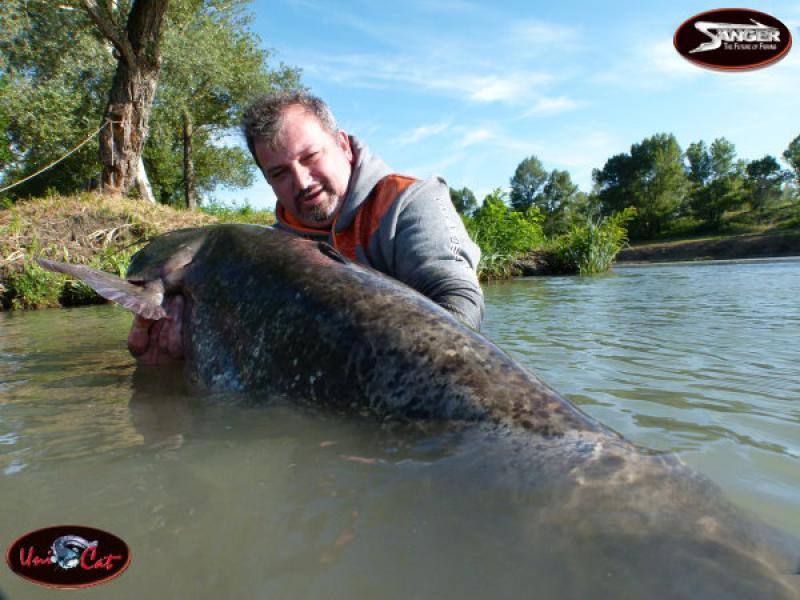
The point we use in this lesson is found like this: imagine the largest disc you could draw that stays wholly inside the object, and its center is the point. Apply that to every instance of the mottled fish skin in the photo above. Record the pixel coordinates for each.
(269, 311)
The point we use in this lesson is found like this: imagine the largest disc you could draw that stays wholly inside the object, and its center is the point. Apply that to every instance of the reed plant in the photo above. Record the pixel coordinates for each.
(590, 248)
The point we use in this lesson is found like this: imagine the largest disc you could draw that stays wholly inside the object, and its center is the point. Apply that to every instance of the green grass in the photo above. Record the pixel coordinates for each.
(100, 231)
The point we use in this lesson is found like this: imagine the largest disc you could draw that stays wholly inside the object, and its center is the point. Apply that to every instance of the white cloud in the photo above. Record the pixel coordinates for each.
(425, 131)
(434, 167)
(554, 105)
(493, 88)
(542, 34)
(650, 65)
(473, 82)
(474, 136)
(508, 62)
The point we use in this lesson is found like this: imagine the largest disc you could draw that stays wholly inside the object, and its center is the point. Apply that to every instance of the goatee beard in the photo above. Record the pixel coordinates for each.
(322, 213)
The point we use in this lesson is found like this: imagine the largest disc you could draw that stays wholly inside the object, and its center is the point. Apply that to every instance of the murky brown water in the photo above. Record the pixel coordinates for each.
(226, 496)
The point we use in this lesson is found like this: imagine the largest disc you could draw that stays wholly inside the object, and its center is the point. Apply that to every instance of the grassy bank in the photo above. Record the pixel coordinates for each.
(92, 229)
(105, 231)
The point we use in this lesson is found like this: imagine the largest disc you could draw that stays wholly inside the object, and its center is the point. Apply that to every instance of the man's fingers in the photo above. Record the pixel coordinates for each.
(139, 336)
(159, 341)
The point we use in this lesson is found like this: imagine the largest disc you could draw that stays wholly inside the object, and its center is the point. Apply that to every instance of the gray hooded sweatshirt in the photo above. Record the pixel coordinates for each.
(420, 240)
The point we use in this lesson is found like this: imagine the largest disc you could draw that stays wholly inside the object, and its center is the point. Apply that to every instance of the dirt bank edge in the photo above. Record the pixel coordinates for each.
(765, 245)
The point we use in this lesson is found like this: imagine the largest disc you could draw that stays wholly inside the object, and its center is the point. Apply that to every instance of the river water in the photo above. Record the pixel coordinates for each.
(225, 496)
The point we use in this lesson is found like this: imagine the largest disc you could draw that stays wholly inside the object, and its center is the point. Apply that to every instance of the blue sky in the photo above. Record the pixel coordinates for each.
(467, 89)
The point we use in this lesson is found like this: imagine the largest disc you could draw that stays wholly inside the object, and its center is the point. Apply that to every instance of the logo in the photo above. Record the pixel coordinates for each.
(733, 39)
(68, 556)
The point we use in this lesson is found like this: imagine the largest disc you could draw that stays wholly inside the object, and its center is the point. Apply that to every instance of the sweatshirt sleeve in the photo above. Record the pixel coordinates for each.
(431, 251)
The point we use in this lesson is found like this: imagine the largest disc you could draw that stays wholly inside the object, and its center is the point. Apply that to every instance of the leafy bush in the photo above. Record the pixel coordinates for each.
(503, 234)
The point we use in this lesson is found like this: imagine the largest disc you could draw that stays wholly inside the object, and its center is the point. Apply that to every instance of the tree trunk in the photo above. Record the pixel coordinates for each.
(188, 162)
(133, 88)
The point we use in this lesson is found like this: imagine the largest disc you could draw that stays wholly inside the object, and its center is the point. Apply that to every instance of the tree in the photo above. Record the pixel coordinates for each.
(57, 73)
(464, 200)
(6, 155)
(207, 88)
(699, 171)
(651, 178)
(527, 182)
(722, 186)
(792, 156)
(764, 181)
(136, 39)
(556, 195)
(59, 69)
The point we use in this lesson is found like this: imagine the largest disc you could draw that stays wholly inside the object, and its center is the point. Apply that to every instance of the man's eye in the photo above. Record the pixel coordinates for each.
(310, 157)
(277, 174)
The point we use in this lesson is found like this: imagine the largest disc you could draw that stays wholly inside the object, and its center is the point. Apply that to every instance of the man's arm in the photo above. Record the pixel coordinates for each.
(426, 246)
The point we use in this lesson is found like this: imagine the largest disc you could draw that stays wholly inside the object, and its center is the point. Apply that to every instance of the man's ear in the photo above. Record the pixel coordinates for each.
(343, 141)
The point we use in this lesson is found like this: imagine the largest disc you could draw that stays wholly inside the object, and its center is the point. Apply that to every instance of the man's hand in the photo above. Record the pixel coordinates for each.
(159, 342)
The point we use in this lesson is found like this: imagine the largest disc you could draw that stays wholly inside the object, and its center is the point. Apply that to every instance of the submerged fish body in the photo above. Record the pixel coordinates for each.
(268, 311)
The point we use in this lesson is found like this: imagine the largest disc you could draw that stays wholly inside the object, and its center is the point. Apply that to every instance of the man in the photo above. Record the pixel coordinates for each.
(330, 187)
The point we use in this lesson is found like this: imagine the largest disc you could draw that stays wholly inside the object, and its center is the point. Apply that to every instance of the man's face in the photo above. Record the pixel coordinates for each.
(309, 169)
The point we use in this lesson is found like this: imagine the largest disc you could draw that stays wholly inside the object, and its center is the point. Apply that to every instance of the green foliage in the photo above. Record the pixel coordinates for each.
(651, 178)
(527, 182)
(590, 248)
(699, 171)
(56, 72)
(497, 266)
(33, 287)
(764, 182)
(57, 77)
(239, 214)
(464, 200)
(6, 155)
(792, 156)
(500, 230)
(212, 66)
(503, 234)
(555, 199)
(717, 181)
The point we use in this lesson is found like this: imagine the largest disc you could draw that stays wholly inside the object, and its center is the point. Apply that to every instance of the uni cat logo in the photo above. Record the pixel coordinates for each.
(68, 556)
(733, 39)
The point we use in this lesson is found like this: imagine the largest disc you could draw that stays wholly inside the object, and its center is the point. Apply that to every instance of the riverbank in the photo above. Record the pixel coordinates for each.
(761, 245)
(98, 230)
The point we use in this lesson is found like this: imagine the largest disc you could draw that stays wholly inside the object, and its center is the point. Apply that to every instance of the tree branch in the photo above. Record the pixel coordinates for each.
(105, 23)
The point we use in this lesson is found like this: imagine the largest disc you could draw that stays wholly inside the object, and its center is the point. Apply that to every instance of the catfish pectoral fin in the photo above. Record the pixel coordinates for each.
(144, 300)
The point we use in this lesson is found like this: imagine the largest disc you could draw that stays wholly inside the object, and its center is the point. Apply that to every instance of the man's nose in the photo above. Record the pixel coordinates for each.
(301, 177)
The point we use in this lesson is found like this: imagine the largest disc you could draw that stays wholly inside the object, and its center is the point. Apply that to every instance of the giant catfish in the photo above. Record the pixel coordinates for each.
(270, 312)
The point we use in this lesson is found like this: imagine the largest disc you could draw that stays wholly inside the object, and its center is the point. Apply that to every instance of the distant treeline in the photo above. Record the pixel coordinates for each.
(673, 192)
